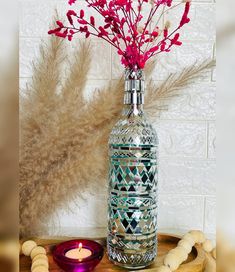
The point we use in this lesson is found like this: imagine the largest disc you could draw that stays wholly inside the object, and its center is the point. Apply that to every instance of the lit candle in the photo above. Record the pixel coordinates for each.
(78, 253)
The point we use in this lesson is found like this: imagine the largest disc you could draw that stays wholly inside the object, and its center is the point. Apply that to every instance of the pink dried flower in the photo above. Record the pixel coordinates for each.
(92, 20)
(82, 22)
(62, 34)
(60, 24)
(125, 28)
(175, 40)
(166, 2)
(185, 18)
(71, 2)
(82, 13)
(54, 31)
(71, 13)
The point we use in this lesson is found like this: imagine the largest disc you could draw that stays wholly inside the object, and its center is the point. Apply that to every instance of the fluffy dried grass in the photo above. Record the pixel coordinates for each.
(63, 147)
(158, 97)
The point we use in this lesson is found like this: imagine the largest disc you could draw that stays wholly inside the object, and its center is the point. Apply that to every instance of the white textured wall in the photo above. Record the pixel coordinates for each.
(186, 131)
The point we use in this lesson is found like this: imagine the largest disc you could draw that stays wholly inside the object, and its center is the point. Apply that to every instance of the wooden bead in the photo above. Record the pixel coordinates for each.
(184, 254)
(37, 250)
(208, 246)
(40, 256)
(40, 268)
(186, 245)
(172, 261)
(180, 252)
(198, 236)
(211, 265)
(27, 247)
(164, 269)
(40, 262)
(188, 237)
(214, 253)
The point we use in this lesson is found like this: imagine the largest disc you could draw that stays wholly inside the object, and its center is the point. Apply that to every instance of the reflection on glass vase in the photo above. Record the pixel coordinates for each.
(132, 210)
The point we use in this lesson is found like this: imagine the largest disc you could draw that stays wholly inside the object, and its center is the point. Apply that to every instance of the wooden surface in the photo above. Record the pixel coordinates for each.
(195, 262)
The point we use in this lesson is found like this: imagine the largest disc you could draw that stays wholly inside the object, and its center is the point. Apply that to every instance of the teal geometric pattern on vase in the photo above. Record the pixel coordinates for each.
(132, 205)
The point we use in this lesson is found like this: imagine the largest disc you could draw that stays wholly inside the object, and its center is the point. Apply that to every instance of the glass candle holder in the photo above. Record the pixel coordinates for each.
(79, 264)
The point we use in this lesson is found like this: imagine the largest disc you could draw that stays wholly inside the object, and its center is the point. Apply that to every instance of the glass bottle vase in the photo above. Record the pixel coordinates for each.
(132, 204)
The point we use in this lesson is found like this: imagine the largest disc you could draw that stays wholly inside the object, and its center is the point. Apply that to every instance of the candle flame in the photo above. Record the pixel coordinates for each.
(80, 246)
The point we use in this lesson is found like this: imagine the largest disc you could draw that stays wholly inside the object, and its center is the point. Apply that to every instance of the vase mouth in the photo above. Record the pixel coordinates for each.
(134, 74)
(134, 87)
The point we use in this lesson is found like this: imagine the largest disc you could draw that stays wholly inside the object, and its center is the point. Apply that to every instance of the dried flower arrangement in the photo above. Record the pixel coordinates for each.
(59, 140)
(126, 28)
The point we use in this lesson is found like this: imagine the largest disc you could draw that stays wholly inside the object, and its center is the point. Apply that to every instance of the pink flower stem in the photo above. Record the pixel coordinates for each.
(121, 29)
(131, 24)
(165, 11)
(133, 11)
(127, 17)
(139, 11)
(165, 39)
(114, 34)
(112, 43)
(94, 34)
(151, 14)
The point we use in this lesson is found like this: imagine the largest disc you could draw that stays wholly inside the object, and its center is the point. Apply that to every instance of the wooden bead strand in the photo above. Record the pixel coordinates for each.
(178, 255)
(38, 256)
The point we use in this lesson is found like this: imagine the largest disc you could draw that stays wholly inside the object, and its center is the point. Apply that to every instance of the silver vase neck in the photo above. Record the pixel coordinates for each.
(134, 87)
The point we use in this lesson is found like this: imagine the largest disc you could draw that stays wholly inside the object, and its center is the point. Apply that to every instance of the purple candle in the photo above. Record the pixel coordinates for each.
(78, 255)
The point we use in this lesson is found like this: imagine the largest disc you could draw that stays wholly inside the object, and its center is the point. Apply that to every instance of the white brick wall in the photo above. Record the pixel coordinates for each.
(187, 131)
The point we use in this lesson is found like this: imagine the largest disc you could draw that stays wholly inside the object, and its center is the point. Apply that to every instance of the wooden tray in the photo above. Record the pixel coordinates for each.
(195, 262)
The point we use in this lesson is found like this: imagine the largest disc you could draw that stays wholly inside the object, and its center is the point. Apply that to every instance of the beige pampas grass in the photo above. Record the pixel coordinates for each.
(49, 127)
(158, 97)
(63, 147)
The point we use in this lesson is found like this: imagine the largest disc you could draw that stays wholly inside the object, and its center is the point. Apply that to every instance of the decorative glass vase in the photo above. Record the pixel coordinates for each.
(132, 212)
